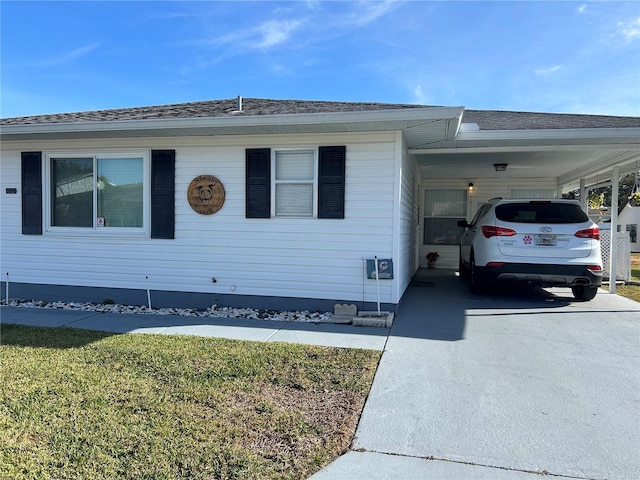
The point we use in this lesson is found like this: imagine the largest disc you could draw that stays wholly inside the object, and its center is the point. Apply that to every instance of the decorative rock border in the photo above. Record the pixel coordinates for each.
(343, 313)
(213, 311)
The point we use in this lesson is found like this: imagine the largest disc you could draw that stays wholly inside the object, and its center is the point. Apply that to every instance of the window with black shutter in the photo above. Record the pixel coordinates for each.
(258, 183)
(289, 178)
(32, 193)
(111, 193)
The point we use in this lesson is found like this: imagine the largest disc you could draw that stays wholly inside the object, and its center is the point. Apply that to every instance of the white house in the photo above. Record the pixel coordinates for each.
(629, 220)
(271, 203)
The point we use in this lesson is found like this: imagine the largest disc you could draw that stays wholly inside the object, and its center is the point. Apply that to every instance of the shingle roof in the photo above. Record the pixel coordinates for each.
(504, 120)
(486, 119)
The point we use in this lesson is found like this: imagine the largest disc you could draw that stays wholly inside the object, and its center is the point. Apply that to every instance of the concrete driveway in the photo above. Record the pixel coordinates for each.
(509, 385)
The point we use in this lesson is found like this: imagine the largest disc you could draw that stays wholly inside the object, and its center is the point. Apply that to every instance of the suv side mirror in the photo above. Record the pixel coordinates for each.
(463, 224)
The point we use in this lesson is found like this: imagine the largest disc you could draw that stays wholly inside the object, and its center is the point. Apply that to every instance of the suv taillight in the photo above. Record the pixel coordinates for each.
(593, 233)
(491, 231)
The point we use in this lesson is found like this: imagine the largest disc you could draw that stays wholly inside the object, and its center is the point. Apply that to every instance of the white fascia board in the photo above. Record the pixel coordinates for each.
(534, 140)
(626, 161)
(549, 134)
(454, 127)
(526, 148)
(382, 119)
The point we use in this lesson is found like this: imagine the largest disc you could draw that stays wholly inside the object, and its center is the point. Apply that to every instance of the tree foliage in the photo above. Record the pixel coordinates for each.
(601, 196)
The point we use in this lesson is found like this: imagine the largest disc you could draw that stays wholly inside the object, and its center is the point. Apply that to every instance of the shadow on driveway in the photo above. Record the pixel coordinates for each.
(437, 304)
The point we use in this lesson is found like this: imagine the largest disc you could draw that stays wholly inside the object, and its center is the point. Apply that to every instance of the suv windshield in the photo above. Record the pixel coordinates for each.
(541, 212)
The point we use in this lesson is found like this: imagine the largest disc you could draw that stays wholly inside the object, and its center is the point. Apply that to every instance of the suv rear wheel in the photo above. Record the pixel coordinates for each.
(463, 271)
(475, 283)
(584, 293)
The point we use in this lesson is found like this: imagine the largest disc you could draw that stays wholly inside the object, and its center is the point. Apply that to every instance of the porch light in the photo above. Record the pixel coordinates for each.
(500, 167)
(470, 186)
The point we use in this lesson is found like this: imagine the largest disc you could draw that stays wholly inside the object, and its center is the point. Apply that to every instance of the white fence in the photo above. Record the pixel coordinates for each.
(623, 254)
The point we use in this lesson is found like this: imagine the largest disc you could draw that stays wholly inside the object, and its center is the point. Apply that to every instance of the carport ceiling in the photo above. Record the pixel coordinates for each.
(566, 163)
(521, 164)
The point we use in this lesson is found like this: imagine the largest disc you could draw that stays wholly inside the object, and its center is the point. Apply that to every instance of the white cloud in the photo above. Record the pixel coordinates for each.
(263, 36)
(418, 96)
(275, 32)
(630, 30)
(582, 8)
(71, 56)
(368, 11)
(547, 71)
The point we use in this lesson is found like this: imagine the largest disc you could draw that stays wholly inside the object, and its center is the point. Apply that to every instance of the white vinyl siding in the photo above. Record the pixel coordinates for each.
(532, 193)
(629, 220)
(301, 257)
(409, 184)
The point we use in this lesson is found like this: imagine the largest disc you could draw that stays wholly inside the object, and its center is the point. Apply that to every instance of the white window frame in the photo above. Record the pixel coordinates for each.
(275, 182)
(426, 217)
(96, 231)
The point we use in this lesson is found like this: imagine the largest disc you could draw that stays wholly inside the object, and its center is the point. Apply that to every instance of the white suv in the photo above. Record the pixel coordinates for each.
(549, 243)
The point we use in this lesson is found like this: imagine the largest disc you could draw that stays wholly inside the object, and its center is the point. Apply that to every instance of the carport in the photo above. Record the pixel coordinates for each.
(515, 154)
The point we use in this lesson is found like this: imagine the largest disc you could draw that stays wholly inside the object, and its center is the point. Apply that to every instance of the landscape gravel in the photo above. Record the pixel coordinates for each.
(213, 311)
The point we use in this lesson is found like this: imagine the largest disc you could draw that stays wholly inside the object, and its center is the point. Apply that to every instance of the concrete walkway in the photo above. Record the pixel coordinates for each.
(511, 385)
(324, 334)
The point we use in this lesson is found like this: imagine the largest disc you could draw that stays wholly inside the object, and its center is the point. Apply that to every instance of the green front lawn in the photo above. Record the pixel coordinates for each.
(91, 405)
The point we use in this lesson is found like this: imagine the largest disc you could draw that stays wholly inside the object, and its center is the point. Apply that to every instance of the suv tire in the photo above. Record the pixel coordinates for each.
(463, 271)
(475, 282)
(584, 293)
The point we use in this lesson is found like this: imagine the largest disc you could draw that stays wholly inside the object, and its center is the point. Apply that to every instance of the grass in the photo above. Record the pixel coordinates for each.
(91, 405)
(631, 291)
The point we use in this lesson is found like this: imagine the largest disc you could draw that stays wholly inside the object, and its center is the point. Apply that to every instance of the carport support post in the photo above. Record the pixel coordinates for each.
(584, 201)
(613, 248)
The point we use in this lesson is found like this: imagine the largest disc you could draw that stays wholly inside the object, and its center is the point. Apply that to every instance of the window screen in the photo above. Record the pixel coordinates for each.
(294, 182)
(120, 193)
(443, 209)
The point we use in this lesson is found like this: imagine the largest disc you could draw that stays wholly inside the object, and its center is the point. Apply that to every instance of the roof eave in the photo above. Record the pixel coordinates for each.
(378, 120)
(565, 133)
(488, 140)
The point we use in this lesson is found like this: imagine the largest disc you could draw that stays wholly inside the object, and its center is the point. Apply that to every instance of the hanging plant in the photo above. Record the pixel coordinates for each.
(596, 200)
(634, 199)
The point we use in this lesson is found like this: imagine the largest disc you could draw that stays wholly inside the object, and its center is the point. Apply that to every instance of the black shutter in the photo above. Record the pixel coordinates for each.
(331, 179)
(32, 193)
(163, 193)
(258, 178)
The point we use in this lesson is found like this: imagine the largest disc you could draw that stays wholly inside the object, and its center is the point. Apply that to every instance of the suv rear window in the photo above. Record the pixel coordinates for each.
(541, 212)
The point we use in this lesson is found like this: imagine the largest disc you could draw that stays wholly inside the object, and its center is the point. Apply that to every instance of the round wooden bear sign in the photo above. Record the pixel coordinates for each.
(205, 194)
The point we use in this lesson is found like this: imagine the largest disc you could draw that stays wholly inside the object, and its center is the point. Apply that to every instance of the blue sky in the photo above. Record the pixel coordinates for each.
(549, 56)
